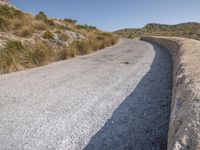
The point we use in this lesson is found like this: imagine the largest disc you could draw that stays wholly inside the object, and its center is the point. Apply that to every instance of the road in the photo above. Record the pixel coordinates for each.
(114, 99)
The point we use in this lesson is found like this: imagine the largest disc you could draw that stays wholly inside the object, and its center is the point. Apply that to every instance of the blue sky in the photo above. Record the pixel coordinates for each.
(111, 15)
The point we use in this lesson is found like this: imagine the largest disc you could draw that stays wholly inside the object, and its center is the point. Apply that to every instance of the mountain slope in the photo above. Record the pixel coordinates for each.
(28, 41)
(189, 30)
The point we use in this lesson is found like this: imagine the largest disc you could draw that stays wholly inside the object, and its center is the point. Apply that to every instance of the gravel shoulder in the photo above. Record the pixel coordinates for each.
(117, 98)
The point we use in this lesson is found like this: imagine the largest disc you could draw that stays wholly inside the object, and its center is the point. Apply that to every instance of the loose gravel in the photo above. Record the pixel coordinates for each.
(114, 99)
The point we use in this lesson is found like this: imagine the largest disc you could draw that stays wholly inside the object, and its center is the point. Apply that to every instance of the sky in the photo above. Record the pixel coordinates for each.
(111, 15)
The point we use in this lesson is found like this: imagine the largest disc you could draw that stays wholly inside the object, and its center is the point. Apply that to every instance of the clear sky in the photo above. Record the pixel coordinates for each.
(111, 15)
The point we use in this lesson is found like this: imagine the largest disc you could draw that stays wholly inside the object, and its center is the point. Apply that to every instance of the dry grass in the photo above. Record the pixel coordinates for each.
(24, 32)
(39, 25)
(63, 36)
(16, 56)
(40, 53)
(93, 44)
(48, 35)
(10, 56)
(63, 54)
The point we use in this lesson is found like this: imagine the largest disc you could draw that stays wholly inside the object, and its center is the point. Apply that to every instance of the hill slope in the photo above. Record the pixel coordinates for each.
(189, 30)
(28, 41)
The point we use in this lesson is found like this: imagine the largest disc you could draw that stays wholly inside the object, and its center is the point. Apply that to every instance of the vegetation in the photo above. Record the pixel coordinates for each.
(63, 36)
(86, 27)
(33, 45)
(188, 30)
(10, 55)
(41, 16)
(70, 21)
(39, 25)
(40, 53)
(24, 32)
(48, 35)
(9, 11)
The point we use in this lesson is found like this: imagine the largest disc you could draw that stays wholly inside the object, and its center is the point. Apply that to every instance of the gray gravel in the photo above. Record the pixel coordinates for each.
(117, 98)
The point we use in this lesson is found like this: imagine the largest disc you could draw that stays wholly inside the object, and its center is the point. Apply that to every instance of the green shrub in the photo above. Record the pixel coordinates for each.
(41, 16)
(86, 27)
(9, 11)
(70, 21)
(48, 35)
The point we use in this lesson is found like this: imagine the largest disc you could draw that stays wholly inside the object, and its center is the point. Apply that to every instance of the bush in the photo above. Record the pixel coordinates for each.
(86, 27)
(41, 16)
(48, 35)
(9, 11)
(70, 21)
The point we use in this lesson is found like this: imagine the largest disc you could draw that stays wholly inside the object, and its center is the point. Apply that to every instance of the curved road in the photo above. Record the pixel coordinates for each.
(114, 99)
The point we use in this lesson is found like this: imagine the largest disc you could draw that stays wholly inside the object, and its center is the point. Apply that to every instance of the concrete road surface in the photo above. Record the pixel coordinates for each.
(114, 99)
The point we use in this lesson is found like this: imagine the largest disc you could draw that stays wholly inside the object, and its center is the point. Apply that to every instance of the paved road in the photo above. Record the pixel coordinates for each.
(114, 99)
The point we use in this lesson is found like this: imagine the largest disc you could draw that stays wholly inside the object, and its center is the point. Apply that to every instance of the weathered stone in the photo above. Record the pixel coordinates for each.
(5, 2)
(184, 130)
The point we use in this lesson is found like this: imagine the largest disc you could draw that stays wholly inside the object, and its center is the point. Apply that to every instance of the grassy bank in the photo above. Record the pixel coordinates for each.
(29, 41)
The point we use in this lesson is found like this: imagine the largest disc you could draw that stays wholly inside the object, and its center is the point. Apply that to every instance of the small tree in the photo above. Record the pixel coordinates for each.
(41, 16)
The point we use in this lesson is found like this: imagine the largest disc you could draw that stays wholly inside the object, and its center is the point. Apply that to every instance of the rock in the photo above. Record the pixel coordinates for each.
(4, 2)
(76, 36)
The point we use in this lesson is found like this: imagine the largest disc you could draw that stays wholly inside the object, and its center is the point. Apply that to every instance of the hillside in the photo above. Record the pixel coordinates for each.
(28, 41)
(189, 30)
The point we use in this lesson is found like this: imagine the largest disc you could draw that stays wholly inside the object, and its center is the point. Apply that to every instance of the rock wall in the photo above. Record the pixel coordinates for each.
(184, 128)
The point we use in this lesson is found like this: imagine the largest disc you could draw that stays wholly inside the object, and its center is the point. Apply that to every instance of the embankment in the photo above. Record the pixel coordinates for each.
(184, 128)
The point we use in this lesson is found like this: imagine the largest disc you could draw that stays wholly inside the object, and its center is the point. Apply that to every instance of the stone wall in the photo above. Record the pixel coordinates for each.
(184, 128)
